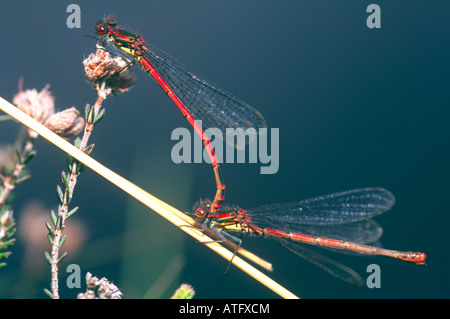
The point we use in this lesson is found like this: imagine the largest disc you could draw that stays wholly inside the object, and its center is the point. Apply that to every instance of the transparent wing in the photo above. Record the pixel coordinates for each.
(328, 265)
(362, 232)
(215, 107)
(338, 208)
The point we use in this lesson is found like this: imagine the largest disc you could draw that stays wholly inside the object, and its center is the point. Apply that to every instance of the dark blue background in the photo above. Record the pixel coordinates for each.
(356, 107)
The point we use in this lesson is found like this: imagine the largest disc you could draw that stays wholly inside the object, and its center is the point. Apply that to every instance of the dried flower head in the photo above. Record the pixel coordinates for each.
(65, 123)
(100, 289)
(38, 105)
(41, 107)
(108, 74)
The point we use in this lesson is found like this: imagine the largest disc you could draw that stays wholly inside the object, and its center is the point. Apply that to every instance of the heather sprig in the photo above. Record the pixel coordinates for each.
(107, 76)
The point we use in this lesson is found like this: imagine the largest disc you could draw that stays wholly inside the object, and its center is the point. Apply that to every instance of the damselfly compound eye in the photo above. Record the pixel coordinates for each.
(100, 29)
(200, 213)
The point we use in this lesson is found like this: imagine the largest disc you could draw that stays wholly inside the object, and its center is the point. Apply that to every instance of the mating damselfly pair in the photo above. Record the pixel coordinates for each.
(339, 221)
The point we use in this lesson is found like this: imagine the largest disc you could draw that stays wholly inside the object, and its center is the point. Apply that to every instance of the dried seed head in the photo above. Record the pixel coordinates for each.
(65, 123)
(90, 294)
(107, 73)
(38, 105)
(101, 287)
(41, 107)
(91, 281)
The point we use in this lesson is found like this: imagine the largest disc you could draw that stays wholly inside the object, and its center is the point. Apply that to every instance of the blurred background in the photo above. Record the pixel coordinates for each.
(355, 107)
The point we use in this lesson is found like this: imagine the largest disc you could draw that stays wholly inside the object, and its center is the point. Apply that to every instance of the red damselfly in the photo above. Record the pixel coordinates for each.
(340, 221)
(195, 97)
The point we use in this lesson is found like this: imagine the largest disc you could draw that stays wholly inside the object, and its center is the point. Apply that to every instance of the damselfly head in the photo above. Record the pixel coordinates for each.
(201, 208)
(104, 25)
